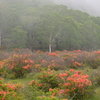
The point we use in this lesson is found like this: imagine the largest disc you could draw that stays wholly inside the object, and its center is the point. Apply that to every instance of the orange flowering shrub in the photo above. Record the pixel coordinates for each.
(47, 79)
(18, 65)
(76, 64)
(56, 65)
(9, 91)
(71, 84)
(75, 84)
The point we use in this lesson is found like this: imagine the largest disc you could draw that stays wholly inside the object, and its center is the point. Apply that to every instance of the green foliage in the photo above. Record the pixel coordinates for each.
(17, 66)
(9, 91)
(47, 98)
(35, 24)
(50, 84)
(19, 37)
(34, 90)
(48, 79)
(76, 85)
(73, 84)
(95, 77)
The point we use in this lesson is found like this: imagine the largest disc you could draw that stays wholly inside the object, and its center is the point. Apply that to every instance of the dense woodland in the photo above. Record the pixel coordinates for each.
(40, 24)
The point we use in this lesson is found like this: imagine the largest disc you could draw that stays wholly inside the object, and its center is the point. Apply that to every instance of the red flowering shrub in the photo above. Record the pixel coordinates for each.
(9, 91)
(18, 65)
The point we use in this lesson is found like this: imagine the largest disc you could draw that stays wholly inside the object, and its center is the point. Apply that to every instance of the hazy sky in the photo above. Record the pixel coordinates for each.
(90, 6)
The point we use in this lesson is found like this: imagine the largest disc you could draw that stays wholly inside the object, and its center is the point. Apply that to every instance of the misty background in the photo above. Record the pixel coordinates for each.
(90, 6)
(50, 25)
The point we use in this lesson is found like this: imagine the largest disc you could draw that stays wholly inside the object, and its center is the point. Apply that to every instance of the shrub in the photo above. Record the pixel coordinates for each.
(48, 98)
(9, 91)
(34, 90)
(71, 84)
(95, 77)
(47, 79)
(76, 85)
(57, 64)
(18, 65)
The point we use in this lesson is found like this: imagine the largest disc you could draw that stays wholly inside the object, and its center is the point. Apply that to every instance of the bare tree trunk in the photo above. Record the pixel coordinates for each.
(50, 48)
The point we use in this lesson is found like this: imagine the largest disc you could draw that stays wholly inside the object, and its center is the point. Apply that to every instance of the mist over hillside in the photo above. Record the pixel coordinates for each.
(49, 25)
(90, 6)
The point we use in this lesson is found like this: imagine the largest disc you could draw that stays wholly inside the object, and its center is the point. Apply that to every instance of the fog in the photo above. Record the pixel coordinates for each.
(90, 6)
(44, 25)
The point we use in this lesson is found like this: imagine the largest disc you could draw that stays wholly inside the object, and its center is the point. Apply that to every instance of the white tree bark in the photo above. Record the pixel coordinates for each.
(50, 49)
(50, 40)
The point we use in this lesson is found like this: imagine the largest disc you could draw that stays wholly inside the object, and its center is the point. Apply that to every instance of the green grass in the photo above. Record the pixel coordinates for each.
(94, 97)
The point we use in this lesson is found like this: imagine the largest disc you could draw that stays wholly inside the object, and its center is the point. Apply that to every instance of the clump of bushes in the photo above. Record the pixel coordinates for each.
(71, 84)
(95, 77)
(9, 91)
(16, 66)
(50, 84)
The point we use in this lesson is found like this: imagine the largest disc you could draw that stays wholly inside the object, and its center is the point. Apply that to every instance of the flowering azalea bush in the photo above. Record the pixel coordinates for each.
(56, 65)
(9, 91)
(76, 85)
(49, 82)
(18, 65)
(71, 84)
(37, 94)
(47, 79)
(49, 98)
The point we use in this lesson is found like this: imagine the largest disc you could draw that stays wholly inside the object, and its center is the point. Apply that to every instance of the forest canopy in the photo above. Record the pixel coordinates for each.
(40, 24)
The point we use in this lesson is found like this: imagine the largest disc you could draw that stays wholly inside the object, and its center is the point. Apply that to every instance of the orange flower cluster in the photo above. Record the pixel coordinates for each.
(6, 89)
(63, 84)
(43, 61)
(63, 75)
(77, 64)
(27, 66)
(19, 64)
(97, 52)
(77, 82)
(53, 54)
(35, 83)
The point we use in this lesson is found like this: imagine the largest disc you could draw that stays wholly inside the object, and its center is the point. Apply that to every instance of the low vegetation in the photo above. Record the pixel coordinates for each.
(60, 75)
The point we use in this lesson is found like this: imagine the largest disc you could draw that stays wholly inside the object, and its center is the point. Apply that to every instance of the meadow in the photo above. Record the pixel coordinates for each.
(59, 75)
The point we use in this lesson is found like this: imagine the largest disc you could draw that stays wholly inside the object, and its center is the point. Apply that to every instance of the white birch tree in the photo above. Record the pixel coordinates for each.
(49, 28)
